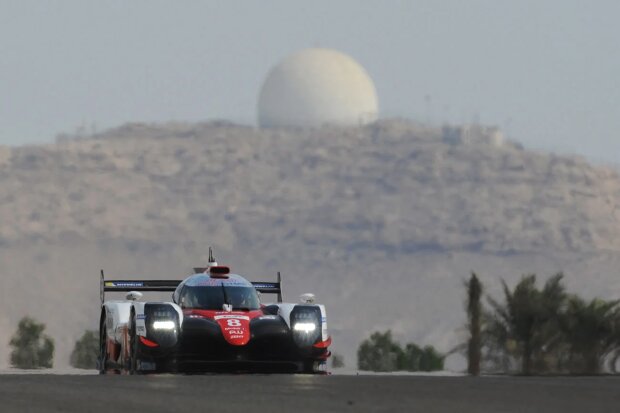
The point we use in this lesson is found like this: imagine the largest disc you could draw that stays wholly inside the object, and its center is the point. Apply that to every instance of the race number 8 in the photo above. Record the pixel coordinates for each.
(232, 322)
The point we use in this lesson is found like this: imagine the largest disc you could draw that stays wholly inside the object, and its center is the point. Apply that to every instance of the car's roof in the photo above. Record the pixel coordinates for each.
(205, 280)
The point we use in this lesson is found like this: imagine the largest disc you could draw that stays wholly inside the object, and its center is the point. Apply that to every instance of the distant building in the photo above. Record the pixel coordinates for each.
(473, 134)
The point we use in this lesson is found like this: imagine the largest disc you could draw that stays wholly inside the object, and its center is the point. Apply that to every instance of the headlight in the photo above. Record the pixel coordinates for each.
(306, 325)
(164, 325)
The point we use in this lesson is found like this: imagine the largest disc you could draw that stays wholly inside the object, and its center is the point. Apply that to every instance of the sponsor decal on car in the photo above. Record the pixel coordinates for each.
(265, 285)
(124, 284)
(235, 328)
(232, 316)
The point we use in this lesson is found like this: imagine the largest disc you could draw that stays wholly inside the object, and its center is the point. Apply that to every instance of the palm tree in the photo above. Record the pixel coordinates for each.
(526, 327)
(474, 315)
(590, 330)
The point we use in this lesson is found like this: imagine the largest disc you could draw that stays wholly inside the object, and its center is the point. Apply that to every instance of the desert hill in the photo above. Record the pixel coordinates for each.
(389, 217)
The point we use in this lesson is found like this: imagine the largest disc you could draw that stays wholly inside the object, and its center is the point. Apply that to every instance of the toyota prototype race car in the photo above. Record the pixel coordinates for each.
(215, 322)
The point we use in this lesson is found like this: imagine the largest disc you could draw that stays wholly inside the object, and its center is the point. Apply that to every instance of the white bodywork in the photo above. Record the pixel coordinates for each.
(118, 317)
(118, 314)
(285, 309)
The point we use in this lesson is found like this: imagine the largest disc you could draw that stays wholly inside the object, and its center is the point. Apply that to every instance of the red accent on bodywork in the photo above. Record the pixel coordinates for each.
(323, 344)
(235, 328)
(148, 342)
(210, 314)
(234, 325)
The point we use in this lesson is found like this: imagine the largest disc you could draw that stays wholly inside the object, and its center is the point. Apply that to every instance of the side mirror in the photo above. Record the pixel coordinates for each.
(133, 295)
(271, 309)
(307, 298)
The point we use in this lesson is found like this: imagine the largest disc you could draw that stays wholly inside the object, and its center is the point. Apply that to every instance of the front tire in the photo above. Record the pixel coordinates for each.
(103, 350)
(309, 367)
(134, 347)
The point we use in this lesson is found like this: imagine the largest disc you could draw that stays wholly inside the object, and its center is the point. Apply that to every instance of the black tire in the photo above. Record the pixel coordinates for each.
(309, 367)
(103, 351)
(134, 347)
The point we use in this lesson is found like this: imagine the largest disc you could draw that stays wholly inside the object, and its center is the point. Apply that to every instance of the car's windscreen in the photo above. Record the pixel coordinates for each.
(214, 297)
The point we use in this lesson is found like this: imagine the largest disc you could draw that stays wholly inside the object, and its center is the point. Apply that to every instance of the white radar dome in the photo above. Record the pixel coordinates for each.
(316, 87)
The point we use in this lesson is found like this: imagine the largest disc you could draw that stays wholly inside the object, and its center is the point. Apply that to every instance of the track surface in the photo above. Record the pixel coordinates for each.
(280, 393)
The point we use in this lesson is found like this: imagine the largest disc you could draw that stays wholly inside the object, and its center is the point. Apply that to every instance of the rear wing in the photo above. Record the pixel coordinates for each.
(270, 288)
(171, 285)
(135, 285)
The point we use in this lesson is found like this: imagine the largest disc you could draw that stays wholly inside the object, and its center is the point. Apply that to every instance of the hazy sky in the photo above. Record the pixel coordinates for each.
(548, 72)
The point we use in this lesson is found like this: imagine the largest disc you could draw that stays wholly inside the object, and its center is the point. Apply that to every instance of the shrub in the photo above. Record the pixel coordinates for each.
(381, 353)
(86, 351)
(31, 348)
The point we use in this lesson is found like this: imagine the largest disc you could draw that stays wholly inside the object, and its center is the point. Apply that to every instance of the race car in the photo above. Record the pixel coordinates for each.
(215, 323)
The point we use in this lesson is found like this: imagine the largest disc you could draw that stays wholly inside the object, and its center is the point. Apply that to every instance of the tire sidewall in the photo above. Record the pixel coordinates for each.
(103, 351)
(134, 347)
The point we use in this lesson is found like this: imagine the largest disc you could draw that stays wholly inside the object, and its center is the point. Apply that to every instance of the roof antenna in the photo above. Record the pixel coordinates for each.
(211, 259)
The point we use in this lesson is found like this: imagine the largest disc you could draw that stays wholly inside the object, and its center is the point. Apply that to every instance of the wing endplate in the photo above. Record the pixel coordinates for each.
(270, 287)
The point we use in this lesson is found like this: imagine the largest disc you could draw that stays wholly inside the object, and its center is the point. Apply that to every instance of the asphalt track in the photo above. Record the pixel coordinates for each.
(298, 393)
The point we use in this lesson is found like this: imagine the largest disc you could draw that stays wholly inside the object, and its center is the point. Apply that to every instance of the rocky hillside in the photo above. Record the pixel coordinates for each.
(383, 213)
(393, 186)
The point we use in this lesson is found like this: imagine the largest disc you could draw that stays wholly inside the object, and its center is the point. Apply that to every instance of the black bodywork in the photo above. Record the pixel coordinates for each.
(199, 346)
